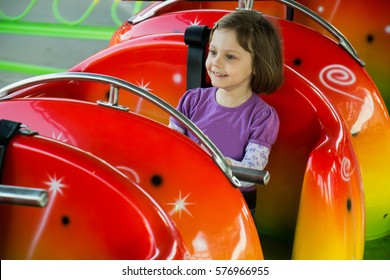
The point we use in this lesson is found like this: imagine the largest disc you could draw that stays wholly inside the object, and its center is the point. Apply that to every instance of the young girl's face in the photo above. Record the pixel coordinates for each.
(229, 66)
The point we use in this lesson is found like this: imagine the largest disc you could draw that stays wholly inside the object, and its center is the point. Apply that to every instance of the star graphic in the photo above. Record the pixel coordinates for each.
(58, 137)
(55, 187)
(55, 184)
(180, 205)
(196, 22)
(144, 86)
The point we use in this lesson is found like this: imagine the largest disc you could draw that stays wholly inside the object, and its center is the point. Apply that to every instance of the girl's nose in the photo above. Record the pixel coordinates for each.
(216, 60)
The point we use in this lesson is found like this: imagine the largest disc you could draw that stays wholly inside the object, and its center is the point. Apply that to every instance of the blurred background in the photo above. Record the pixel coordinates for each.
(45, 36)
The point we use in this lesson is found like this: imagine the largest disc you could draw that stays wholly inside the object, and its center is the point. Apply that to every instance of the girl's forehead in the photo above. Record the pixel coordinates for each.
(223, 34)
(226, 39)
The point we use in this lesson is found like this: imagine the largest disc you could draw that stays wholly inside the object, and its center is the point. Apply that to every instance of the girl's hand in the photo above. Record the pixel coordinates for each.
(228, 161)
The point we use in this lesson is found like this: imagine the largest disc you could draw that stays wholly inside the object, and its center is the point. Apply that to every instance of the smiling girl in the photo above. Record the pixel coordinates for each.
(244, 61)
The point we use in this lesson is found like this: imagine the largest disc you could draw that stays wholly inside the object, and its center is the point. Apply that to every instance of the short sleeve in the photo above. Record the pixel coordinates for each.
(186, 105)
(265, 127)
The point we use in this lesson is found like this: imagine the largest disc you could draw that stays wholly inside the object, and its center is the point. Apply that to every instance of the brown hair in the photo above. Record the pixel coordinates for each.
(258, 36)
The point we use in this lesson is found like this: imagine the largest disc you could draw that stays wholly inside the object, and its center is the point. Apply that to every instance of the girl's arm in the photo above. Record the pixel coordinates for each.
(256, 157)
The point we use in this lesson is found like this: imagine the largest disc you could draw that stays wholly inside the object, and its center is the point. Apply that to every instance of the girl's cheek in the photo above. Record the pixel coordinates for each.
(208, 63)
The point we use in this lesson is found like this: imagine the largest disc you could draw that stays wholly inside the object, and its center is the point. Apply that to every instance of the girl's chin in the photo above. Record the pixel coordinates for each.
(215, 84)
(216, 81)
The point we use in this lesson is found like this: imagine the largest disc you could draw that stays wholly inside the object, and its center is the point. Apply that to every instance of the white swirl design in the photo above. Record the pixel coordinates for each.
(346, 169)
(337, 74)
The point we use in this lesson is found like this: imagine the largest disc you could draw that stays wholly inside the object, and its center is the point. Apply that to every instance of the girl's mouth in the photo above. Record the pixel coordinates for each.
(219, 75)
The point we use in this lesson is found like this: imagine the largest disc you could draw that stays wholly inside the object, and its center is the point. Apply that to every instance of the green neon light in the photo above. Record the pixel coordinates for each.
(61, 19)
(57, 30)
(56, 12)
(11, 66)
(64, 28)
(22, 15)
(114, 15)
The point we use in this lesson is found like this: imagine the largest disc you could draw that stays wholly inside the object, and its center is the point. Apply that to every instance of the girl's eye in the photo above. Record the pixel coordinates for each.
(230, 57)
(212, 52)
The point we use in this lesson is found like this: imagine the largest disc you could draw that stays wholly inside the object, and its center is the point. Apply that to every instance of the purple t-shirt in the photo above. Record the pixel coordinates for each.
(230, 129)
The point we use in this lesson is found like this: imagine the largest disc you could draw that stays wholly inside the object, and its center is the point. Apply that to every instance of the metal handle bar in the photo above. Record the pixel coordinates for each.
(115, 85)
(152, 12)
(249, 4)
(23, 196)
(343, 42)
(251, 175)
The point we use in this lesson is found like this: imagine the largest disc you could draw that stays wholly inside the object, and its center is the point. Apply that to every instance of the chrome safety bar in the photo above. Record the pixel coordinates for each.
(249, 4)
(23, 196)
(251, 175)
(113, 98)
(245, 4)
(116, 84)
(152, 12)
(343, 42)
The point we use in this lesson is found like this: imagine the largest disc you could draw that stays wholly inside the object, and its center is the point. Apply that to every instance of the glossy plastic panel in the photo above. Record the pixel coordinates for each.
(356, 97)
(175, 171)
(93, 211)
(330, 204)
